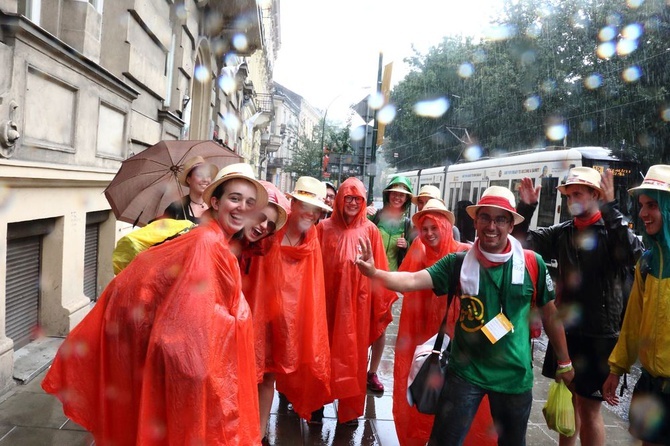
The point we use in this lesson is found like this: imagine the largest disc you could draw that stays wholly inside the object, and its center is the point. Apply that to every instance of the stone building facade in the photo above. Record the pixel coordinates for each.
(84, 84)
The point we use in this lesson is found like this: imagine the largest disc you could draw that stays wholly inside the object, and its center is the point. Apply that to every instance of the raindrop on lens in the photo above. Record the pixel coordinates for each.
(607, 33)
(556, 132)
(532, 103)
(201, 73)
(606, 50)
(240, 42)
(180, 12)
(227, 84)
(631, 74)
(634, 3)
(472, 153)
(632, 31)
(376, 100)
(593, 81)
(465, 70)
(626, 46)
(231, 121)
(433, 108)
(357, 133)
(500, 32)
(386, 114)
(665, 114)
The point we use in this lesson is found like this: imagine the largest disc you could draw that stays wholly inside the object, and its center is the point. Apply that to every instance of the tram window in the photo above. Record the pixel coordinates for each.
(475, 194)
(503, 183)
(457, 196)
(466, 190)
(452, 199)
(547, 205)
(516, 185)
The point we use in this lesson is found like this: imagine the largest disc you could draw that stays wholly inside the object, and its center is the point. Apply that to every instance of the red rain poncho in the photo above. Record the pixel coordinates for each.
(305, 344)
(261, 268)
(166, 354)
(358, 309)
(420, 318)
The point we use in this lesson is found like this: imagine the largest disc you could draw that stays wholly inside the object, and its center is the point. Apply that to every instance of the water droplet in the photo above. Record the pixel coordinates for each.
(240, 42)
(556, 132)
(465, 70)
(357, 133)
(500, 32)
(201, 74)
(180, 12)
(607, 33)
(376, 100)
(432, 108)
(532, 103)
(473, 153)
(593, 81)
(227, 83)
(632, 31)
(631, 74)
(634, 3)
(626, 46)
(386, 114)
(231, 121)
(606, 50)
(665, 114)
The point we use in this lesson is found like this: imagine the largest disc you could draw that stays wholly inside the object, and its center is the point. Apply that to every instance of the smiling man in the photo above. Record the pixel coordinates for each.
(491, 351)
(303, 300)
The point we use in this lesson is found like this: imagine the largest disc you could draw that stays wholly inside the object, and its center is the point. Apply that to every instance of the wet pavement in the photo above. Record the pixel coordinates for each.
(30, 417)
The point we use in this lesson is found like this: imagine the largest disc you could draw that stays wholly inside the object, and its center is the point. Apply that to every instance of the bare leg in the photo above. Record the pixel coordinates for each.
(377, 351)
(592, 429)
(266, 391)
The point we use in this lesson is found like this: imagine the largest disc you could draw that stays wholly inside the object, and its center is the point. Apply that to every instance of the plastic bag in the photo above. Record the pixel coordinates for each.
(558, 410)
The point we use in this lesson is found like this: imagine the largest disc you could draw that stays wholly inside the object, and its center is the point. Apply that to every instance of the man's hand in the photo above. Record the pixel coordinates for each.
(401, 242)
(528, 193)
(566, 377)
(609, 389)
(607, 184)
(364, 260)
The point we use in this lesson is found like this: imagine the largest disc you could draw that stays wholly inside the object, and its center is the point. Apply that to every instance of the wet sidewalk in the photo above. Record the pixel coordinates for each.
(30, 417)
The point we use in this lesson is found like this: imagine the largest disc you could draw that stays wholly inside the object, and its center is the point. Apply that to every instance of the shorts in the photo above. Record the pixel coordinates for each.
(589, 358)
(649, 412)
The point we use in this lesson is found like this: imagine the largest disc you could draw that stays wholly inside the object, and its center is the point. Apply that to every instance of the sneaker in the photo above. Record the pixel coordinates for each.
(373, 382)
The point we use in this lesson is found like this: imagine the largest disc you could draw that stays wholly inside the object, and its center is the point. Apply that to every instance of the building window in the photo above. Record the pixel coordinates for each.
(31, 9)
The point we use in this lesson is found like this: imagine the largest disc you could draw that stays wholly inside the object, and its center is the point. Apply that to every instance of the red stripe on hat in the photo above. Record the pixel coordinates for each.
(490, 200)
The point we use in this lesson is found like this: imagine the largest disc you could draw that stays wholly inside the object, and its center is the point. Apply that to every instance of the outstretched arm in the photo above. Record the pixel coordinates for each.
(556, 334)
(393, 280)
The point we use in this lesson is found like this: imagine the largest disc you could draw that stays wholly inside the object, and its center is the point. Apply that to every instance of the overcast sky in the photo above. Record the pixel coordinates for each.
(330, 49)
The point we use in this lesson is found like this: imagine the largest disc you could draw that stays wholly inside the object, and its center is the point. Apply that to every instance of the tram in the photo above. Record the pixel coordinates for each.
(463, 183)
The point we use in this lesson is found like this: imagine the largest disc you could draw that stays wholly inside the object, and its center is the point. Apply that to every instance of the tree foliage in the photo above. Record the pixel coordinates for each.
(554, 72)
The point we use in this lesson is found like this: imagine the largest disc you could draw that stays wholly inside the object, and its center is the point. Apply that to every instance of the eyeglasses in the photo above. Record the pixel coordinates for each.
(350, 198)
(271, 225)
(330, 196)
(486, 219)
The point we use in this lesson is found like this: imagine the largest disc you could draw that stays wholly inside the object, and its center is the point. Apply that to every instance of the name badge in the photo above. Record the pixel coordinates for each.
(497, 327)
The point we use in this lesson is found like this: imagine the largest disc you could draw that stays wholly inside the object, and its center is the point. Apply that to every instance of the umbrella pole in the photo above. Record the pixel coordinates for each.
(181, 199)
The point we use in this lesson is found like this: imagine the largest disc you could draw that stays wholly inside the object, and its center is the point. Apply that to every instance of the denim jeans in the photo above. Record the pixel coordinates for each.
(458, 405)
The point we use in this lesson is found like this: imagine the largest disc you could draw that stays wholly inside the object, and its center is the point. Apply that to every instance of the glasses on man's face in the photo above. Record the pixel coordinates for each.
(350, 198)
(486, 219)
(330, 197)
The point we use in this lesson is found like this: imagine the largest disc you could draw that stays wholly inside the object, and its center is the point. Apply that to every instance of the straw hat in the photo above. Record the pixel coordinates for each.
(496, 197)
(237, 170)
(434, 206)
(586, 176)
(428, 191)
(311, 191)
(274, 198)
(657, 178)
(191, 164)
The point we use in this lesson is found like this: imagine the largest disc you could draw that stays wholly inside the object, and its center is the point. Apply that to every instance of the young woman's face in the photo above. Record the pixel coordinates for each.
(430, 233)
(303, 215)
(232, 209)
(650, 214)
(199, 178)
(397, 199)
(262, 224)
(352, 205)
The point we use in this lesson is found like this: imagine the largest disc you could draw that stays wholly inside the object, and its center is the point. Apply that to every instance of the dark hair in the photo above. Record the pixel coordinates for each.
(219, 190)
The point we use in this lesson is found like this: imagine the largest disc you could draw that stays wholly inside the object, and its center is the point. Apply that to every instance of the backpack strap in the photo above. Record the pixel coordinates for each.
(533, 271)
(454, 284)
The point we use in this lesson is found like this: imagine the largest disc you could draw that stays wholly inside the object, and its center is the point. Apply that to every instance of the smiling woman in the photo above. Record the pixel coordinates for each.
(179, 309)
